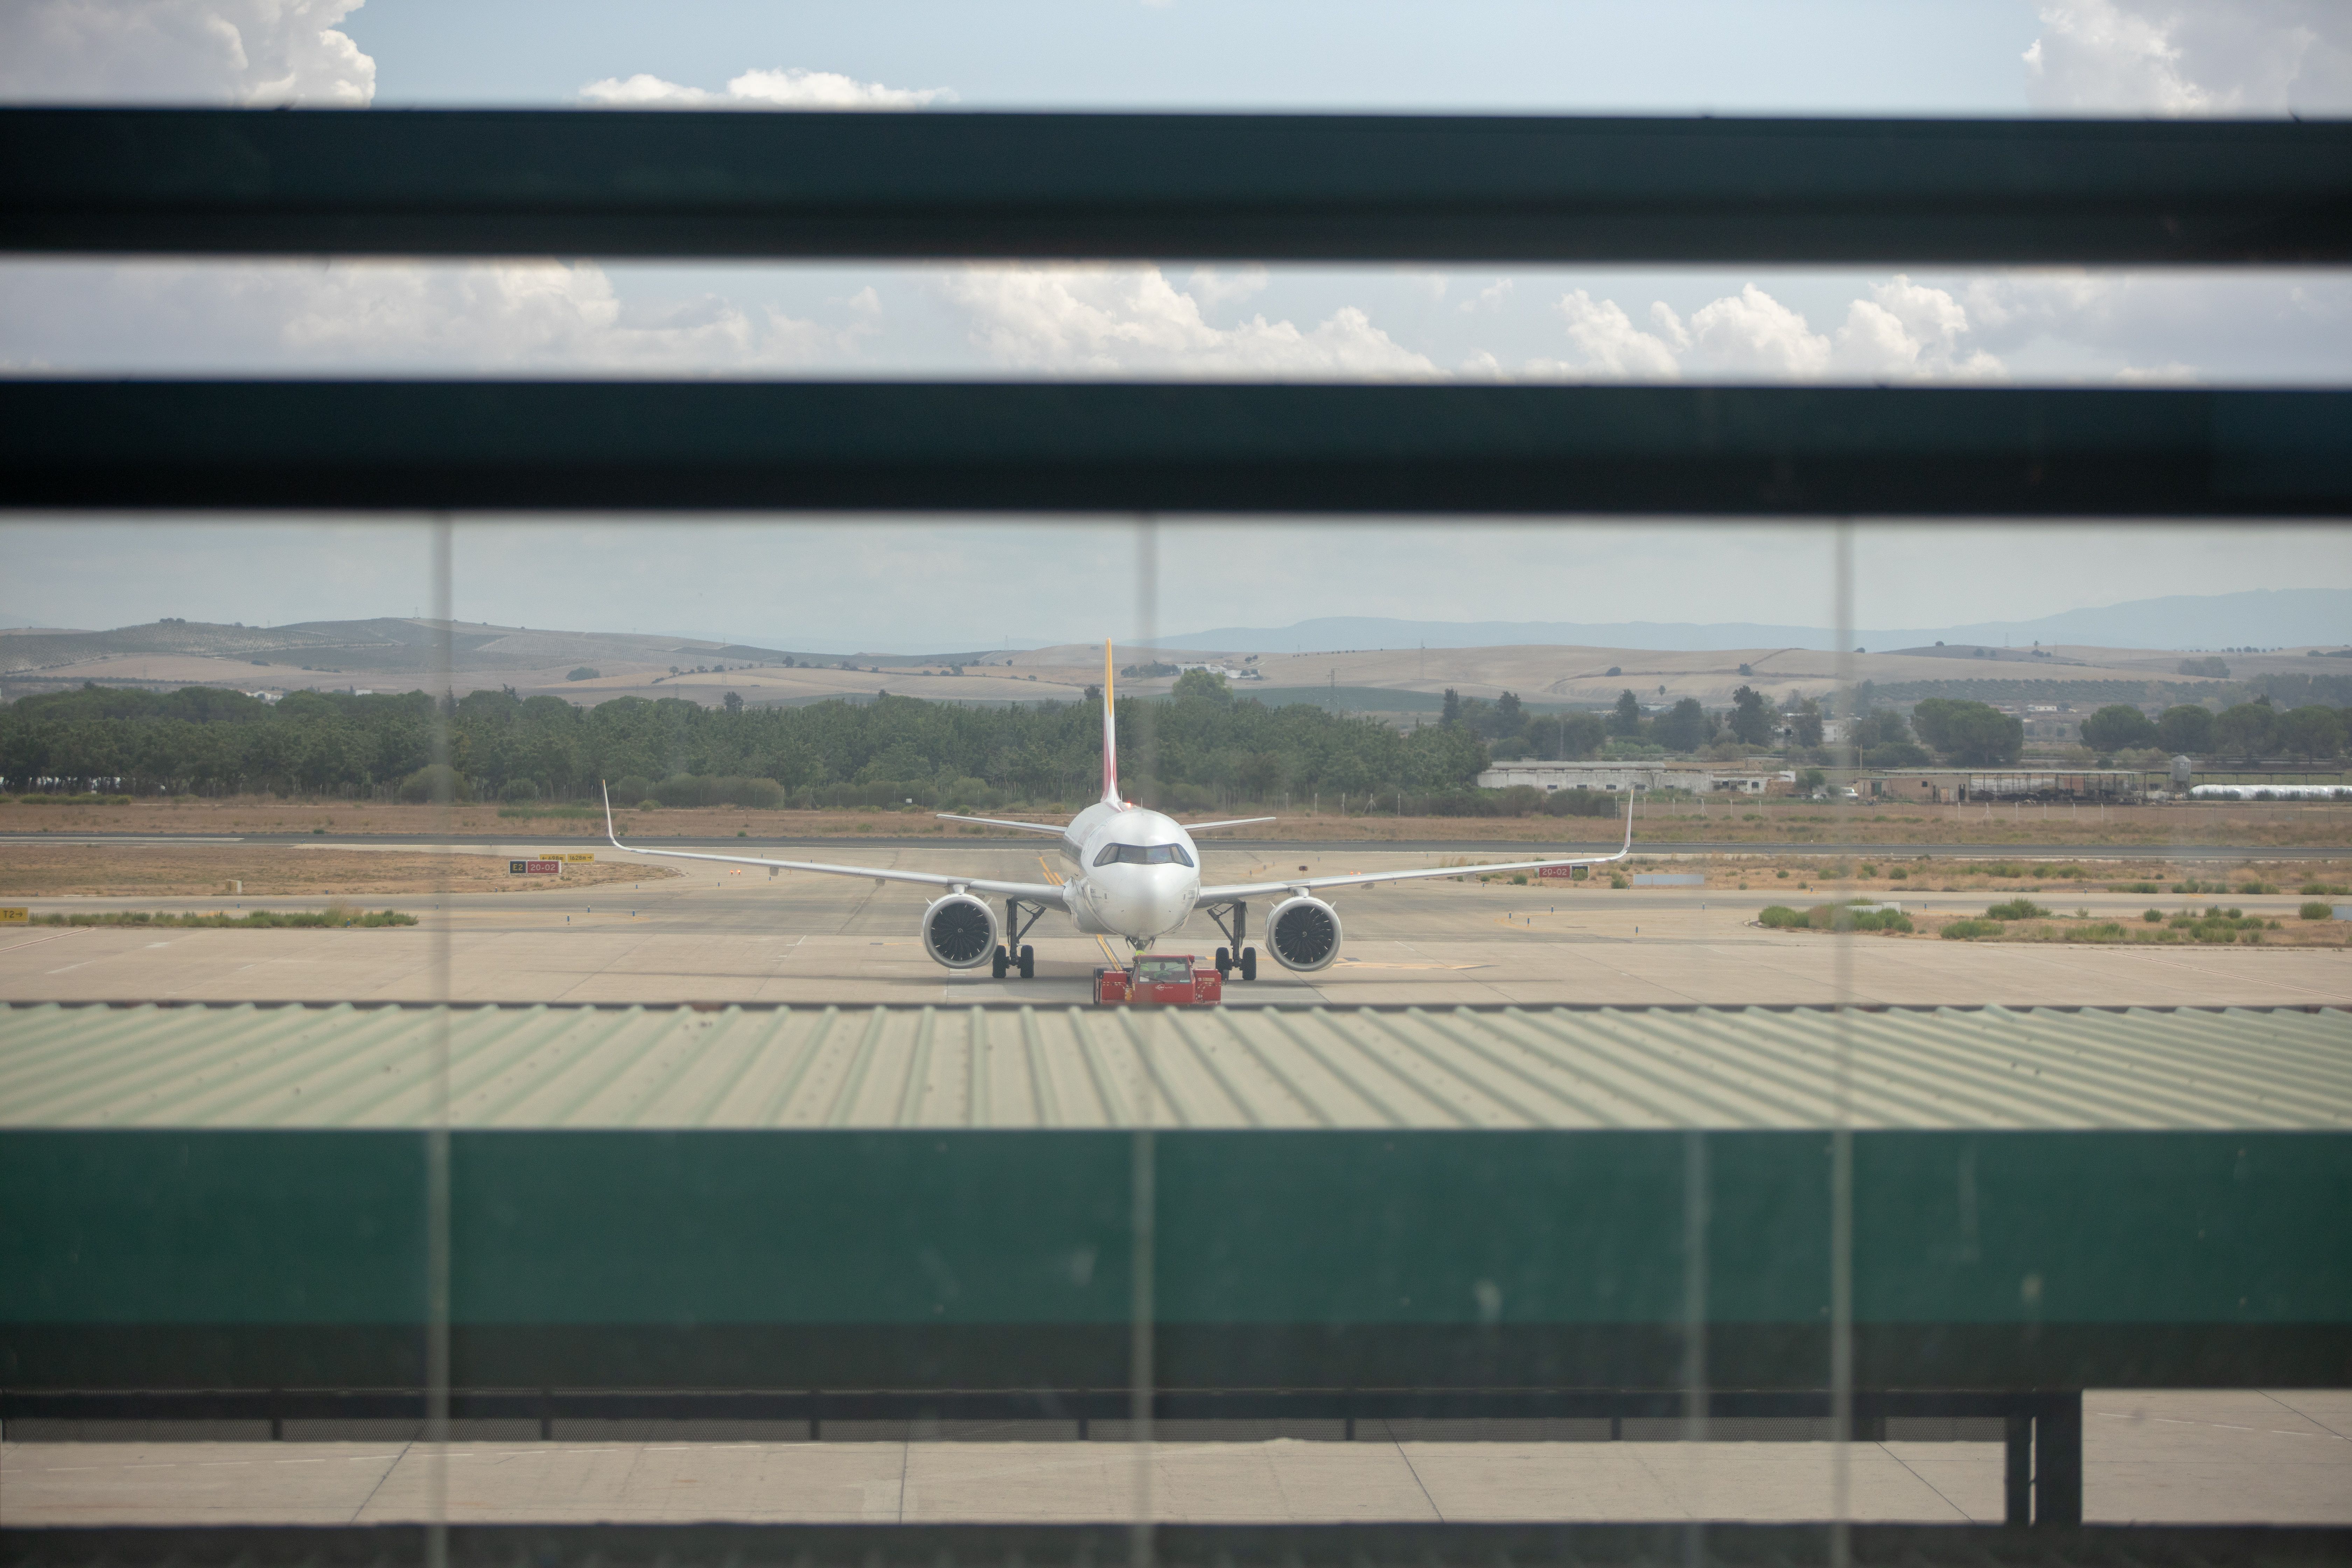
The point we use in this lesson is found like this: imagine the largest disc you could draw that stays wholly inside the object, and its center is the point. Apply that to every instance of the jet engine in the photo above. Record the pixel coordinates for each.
(1304, 933)
(960, 931)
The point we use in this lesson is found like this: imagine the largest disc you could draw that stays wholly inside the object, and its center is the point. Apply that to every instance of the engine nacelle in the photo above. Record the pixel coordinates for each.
(1303, 934)
(960, 931)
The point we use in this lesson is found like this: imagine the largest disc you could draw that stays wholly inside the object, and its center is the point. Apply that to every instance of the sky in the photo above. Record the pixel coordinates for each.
(897, 587)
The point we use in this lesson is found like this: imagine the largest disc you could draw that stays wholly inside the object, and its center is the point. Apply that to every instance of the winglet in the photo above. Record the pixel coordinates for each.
(608, 816)
(1110, 733)
(1629, 826)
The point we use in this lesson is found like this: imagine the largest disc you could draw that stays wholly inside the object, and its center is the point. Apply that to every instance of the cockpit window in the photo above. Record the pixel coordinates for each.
(1144, 855)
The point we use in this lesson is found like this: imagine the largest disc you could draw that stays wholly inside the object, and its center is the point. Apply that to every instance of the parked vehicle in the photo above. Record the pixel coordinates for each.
(1161, 980)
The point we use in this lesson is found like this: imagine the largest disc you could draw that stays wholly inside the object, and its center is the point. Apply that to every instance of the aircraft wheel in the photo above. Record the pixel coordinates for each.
(1028, 963)
(1225, 962)
(999, 965)
(1249, 963)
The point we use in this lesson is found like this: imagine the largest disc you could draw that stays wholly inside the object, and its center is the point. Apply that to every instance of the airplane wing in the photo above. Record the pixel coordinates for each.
(1310, 884)
(1029, 892)
(1233, 822)
(1046, 828)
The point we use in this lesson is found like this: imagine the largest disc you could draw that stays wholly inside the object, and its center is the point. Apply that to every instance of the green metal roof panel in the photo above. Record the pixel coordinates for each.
(549, 1067)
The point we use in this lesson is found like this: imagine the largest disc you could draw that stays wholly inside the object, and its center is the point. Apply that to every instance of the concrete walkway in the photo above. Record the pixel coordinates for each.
(2174, 1457)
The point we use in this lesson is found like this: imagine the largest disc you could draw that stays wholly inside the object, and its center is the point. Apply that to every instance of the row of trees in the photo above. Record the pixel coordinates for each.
(1687, 726)
(2250, 730)
(1203, 747)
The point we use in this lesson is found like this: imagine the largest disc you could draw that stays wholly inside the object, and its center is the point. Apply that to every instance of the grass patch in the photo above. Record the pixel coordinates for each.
(2315, 911)
(73, 800)
(2017, 910)
(335, 917)
(560, 812)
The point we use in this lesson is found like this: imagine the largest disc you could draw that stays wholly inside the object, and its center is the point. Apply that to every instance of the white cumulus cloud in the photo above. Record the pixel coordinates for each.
(1902, 331)
(1612, 347)
(232, 52)
(494, 318)
(1107, 320)
(2192, 57)
(790, 87)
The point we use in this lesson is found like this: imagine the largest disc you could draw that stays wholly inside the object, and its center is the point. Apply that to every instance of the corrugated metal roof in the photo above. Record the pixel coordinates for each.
(293, 1066)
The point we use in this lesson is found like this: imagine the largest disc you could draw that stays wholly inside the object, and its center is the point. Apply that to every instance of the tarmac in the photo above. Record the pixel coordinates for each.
(2197, 1457)
(722, 934)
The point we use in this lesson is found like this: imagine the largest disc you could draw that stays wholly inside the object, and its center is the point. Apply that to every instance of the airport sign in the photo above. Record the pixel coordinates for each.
(535, 868)
(15, 917)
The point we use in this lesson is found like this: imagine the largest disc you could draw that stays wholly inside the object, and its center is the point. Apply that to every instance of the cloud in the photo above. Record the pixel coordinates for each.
(1905, 330)
(1212, 287)
(502, 317)
(2191, 57)
(783, 88)
(234, 52)
(1612, 347)
(1107, 320)
(1493, 297)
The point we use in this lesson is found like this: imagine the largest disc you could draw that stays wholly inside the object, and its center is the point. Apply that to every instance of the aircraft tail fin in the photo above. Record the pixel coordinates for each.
(1110, 733)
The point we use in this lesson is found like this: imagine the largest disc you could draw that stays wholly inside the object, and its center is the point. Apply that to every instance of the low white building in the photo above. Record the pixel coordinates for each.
(1594, 775)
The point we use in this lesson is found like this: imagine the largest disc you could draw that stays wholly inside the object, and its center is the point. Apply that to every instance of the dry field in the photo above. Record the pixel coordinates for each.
(1663, 823)
(277, 870)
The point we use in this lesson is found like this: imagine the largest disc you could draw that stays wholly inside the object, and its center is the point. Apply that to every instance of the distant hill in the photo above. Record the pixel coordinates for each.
(2268, 618)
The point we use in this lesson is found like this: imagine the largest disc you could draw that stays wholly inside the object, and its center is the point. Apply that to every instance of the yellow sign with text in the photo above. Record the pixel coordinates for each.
(573, 859)
(15, 917)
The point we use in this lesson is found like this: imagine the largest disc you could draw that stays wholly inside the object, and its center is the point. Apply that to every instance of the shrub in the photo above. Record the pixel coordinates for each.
(631, 788)
(2259, 887)
(1964, 930)
(1580, 802)
(435, 781)
(717, 789)
(1519, 880)
(519, 792)
(1781, 916)
(2317, 911)
(1897, 875)
(2102, 930)
(2153, 916)
(2308, 889)
(1617, 880)
(2016, 910)
(585, 672)
(2135, 888)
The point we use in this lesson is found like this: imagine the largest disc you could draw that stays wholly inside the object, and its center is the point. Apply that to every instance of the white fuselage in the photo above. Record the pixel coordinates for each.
(1129, 872)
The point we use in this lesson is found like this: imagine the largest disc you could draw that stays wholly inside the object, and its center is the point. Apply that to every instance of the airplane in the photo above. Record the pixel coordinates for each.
(1133, 873)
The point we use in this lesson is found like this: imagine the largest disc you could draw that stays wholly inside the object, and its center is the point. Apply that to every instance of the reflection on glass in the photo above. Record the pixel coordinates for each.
(1714, 1183)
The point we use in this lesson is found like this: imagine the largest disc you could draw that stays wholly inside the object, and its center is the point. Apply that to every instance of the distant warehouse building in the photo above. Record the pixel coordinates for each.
(1695, 778)
(1950, 786)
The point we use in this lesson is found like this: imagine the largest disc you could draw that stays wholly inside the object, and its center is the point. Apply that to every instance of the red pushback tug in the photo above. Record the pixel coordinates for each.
(1161, 980)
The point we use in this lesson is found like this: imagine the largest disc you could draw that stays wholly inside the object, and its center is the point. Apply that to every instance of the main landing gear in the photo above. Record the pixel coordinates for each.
(1234, 920)
(1014, 954)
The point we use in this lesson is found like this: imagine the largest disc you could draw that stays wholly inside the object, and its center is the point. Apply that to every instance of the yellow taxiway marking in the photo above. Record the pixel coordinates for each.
(1053, 877)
